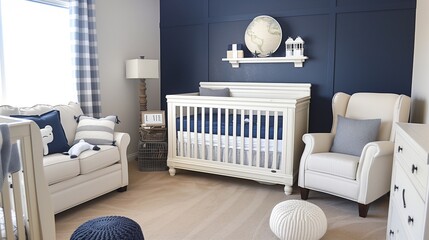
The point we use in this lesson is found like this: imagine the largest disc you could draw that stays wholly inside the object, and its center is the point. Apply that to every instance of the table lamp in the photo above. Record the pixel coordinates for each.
(142, 69)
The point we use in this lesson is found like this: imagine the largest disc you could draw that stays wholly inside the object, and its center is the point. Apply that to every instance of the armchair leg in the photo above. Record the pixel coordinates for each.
(304, 193)
(363, 210)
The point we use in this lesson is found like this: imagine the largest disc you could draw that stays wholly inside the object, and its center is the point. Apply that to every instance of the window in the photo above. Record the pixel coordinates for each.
(35, 53)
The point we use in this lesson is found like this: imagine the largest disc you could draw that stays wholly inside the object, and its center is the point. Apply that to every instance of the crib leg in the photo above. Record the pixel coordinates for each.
(288, 190)
(172, 171)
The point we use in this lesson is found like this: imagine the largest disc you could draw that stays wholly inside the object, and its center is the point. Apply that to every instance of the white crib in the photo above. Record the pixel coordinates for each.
(26, 209)
(253, 134)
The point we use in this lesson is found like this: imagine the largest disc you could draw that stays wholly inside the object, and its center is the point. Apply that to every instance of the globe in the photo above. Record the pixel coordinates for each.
(263, 36)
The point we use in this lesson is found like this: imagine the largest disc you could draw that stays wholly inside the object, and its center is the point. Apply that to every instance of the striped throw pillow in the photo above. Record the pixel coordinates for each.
(96, 131)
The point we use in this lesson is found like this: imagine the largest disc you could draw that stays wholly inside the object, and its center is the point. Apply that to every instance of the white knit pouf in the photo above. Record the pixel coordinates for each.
(298, 219)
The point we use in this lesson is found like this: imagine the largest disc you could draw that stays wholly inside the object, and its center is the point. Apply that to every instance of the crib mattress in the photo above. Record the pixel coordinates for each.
(246, 149)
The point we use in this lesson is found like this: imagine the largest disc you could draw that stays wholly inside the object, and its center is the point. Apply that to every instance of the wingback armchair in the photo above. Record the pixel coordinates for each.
(354, 160)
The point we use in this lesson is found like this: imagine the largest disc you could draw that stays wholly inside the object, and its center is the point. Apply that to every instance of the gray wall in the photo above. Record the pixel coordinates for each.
(420, 87)
(126, 29)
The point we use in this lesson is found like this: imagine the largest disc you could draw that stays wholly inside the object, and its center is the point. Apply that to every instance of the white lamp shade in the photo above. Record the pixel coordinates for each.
(142, 69)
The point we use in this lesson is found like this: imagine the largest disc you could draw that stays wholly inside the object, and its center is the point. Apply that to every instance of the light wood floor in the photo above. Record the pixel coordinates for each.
(197, 206)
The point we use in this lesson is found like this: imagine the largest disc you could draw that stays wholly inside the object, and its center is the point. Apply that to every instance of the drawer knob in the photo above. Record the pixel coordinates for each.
(413, 169)
(410, 220)
(395, 187)
(400, 149)
(391, 233)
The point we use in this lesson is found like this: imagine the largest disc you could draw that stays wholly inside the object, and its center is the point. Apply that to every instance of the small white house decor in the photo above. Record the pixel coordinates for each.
(289, 47)
(298, 47)
(295, 47)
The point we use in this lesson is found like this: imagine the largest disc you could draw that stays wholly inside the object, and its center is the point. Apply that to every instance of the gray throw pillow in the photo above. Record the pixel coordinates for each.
(223, 92)
(96, 131)
(353, 134)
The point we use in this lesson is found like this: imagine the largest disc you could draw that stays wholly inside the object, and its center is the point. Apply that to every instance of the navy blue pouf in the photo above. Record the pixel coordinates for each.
(108, 228)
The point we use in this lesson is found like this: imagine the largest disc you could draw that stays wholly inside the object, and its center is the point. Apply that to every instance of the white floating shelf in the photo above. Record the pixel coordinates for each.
(297, 61)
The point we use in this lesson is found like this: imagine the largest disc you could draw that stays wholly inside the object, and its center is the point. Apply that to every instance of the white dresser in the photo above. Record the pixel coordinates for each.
(409, 195)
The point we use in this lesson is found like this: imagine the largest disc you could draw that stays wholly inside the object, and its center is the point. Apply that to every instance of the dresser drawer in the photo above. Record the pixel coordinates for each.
(395, 230)
(415, 166)
(408, 203)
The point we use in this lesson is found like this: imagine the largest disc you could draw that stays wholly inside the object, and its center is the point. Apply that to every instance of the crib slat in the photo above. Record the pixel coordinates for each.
(250, 153)
(203, 133)
(258, 138)
(242, 112)
(181, 152)
(234, 136)
(195, 144)
(267, 138)
(219, 140)
(226, 149)
(1, 234)
(188, 135)
(20, 208)
(211, 134)
(275, 139)
(7, 206)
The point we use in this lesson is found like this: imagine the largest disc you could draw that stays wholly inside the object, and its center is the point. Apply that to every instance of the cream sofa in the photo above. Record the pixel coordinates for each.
(72, 181)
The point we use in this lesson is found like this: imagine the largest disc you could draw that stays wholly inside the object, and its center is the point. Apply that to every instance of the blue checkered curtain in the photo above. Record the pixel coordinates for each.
(85, 57)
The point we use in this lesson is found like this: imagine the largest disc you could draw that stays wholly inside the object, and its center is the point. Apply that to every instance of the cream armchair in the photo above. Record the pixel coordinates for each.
(362, 177)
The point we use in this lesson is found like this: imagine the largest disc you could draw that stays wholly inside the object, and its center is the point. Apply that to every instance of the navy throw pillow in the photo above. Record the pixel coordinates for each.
(52, 118)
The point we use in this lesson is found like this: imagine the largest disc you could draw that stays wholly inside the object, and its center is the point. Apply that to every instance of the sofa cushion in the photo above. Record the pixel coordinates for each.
(52, 118)
(59, 167)
(7, 110)
(93, 160)
(68, 114)
(35, 110)
(336, 164)
(96, 131)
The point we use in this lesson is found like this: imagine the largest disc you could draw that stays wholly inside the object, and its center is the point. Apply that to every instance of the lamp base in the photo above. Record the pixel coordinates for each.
(142, 96)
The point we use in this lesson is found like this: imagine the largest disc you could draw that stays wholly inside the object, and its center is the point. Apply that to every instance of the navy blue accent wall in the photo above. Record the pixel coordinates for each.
(353, 46)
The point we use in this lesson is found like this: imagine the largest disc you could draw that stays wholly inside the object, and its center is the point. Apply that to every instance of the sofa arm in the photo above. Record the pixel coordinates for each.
(317, 142)
(375, 170)
(314, 143)
(122, 140)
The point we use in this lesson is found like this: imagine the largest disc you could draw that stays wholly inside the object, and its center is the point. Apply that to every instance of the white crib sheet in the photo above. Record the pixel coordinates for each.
(243, 145)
